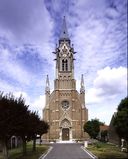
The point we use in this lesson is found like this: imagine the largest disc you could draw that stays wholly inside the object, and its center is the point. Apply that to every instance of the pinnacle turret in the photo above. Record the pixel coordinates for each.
(82, 89)
(47, 88)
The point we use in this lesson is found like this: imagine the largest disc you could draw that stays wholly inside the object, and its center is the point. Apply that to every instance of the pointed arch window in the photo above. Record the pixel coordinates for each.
(64, 65)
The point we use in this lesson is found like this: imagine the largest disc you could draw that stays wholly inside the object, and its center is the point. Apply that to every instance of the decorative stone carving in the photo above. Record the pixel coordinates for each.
(65, 124)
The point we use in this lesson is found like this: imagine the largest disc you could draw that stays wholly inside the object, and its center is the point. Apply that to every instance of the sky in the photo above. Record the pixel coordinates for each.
(29, 32)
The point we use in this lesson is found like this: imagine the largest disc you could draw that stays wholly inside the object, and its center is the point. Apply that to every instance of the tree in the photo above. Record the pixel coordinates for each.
(121, 119)
(36, 127)
(16, 119)
(92, 128)
(13, 117)
(21, 120)
(33, 127)
(42, 128)
(5, 123)
(104, 135)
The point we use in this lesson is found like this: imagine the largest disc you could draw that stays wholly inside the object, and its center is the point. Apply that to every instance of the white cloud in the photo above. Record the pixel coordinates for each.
(108, 84)
(112, 81)
(45, 52)
(109, 87)
(24, 95)
(30, 23)
(98, 38)
(91, 96)
(38, 104)
(7, 87)
(103, 111)
(12, 69)
(25, 21)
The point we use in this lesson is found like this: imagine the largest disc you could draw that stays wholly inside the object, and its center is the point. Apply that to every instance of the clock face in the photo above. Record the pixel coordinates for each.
(65, 105)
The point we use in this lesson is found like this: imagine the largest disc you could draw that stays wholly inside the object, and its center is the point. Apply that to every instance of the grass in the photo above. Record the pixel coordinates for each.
(17, 153)
(108, 151)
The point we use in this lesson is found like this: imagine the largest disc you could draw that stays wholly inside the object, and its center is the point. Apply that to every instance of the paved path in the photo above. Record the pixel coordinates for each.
(67, 151)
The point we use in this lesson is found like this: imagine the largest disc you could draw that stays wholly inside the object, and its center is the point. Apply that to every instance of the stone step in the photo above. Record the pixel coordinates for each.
(66, 141)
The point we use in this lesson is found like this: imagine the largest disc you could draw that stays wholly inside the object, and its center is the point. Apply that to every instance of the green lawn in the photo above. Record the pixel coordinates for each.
(104, 150)
(17, 153)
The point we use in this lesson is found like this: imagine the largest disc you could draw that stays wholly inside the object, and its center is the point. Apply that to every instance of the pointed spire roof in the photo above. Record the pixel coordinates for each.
(82, 89)
(64, 31)
(47, 88)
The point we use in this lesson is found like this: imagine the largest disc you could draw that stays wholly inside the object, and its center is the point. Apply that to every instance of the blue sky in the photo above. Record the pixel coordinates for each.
(29, 32)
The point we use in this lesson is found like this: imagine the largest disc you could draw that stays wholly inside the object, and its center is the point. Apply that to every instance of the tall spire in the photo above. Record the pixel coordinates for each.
(64, 31)
(82, 89)
(47, 88)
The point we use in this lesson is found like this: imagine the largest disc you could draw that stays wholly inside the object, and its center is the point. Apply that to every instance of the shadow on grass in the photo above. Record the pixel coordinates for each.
(30, 155)
(17, 153)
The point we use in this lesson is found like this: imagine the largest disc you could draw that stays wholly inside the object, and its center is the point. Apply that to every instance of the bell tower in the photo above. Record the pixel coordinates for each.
(64, 61)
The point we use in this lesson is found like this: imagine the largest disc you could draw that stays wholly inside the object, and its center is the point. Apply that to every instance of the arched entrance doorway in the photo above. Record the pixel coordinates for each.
(65, 130)
(65, 134)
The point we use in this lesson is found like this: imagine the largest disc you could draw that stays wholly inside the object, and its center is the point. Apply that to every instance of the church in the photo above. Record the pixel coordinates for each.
(65, 109)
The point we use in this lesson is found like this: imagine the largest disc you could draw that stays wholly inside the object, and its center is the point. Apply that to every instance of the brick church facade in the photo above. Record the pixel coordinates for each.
(65, 109)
